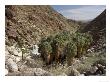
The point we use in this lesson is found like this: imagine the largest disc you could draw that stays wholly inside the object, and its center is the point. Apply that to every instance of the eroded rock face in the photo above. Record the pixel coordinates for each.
(12, 66)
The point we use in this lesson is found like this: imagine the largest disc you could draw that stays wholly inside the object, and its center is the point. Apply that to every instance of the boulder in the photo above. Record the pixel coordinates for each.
(34, 72)
(12, 66)
(34, 63)
(96, 70)
(6, 52)
(22, 66)
(15, 58)
(31, 63)
(6, 71)
(28, 58)
(28, 72)
(41, 72)
(14, 51)
(100, 70)
(72, 71)
(93, 69)
(18, 59)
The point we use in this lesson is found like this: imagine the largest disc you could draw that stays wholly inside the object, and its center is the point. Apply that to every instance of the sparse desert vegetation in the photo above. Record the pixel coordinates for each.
(42, 42)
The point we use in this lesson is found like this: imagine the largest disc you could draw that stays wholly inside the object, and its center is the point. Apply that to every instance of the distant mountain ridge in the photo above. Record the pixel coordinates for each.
(97, 28)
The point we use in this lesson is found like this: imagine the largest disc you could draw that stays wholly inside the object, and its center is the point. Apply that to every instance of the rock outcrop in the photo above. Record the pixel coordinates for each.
(12, 66)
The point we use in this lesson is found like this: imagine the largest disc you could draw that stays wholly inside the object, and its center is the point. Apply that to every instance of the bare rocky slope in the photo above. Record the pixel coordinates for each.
(29, 24)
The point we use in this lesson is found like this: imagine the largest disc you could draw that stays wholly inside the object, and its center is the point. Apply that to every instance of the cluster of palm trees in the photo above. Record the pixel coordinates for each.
(64, 45)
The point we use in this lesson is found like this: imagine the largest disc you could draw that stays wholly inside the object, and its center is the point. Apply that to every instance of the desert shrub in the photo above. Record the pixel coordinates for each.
(71, 51)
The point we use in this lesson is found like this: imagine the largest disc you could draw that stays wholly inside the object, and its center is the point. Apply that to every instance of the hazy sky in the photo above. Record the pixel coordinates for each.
(80, 12)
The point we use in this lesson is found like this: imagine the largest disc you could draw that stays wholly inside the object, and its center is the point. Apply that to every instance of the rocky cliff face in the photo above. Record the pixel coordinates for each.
(29, 24)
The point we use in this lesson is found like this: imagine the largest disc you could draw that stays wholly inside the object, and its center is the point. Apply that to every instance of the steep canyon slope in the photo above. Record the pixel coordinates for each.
(29, 24)
(97, 27)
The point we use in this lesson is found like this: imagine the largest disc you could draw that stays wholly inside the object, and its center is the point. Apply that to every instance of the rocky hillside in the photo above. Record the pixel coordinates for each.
(28, 24)
(64, 52)
(97, 28)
